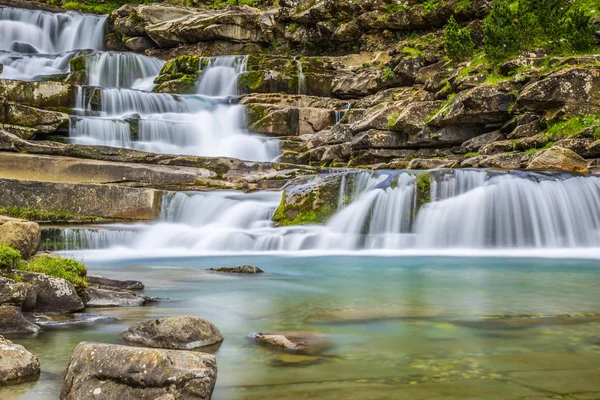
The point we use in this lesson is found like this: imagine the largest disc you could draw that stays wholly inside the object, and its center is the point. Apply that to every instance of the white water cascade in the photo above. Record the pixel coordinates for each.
(34, 44)
(122, 70)
(205, 124)
(470, 211)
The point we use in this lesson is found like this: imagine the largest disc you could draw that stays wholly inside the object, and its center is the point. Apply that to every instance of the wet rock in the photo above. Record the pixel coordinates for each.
(424, 163)
(305, 342)
(113, 298)
(73, 319)
(13, 321)
(38, 94)
(16, 363)
(308, 202)
(502, 160)
(174, 333)
(114, 284)
(242, 269)
(113, 371)
(11, 292)
(54, 295)
(19, 234)
(138, 43)
(558, 158)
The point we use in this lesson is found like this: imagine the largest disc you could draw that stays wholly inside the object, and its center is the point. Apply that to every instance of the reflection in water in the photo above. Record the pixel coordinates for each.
(409, 325)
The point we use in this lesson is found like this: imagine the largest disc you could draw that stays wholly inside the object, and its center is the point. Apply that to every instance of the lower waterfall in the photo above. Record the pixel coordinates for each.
(469, 210)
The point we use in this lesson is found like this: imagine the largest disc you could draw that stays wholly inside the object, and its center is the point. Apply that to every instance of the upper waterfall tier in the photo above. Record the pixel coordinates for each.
(469, 210)
(38, 43)
(219, 75)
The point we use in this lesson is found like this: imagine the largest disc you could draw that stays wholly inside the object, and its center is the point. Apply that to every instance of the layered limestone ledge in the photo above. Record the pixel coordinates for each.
(75, 170)
(80, 200)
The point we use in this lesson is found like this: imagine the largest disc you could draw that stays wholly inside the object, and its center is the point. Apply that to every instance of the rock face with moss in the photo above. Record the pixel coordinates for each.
(19, 234)
(113, 371)
(309, 202)
(179, 75)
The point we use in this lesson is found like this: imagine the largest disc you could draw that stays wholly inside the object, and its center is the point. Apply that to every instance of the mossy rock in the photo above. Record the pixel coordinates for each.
(309, 203)
(423, 190)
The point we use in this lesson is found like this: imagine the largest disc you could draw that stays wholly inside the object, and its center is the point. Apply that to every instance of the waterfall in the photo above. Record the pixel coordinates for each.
(55, 239)
(122, 70)
(219, 75)
(301, 78)
(469, 210)
(38, 43)
(340, 114)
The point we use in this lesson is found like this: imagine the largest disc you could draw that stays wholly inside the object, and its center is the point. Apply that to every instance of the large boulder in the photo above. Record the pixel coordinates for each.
(54, 295)
(482, 105)
(19, 234)
(108, 371)
(16, 363)
(558, 158)
(575, 89)
(38, 94)
(178, 332)
(13, 321)
(41, 121)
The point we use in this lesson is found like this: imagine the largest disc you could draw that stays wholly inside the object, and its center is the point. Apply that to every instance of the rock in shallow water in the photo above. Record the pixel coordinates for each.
(305, 342)
(54, 295)
(174, 333)
(113, 298)
(108, 283)
(13, 321)
(16, 363)
(242, 269)
(105, 371)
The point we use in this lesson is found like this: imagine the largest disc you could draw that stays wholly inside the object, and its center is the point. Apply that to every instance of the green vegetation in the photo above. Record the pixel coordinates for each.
(430, 6)
(395, 7)
(472, 154)
(573, 126)
(293, 27)
(457, 41)
(41, 215)
(58, 267)
(388, 73)
(423, 192)
(100, 6)
(517, 25)
(9, 258)
(392, 119)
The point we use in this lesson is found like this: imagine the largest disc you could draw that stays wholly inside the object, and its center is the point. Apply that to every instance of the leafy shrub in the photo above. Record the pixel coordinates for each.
(65, 268)
(516, 25)
(9, 258)
(457, 41)
(388, 73)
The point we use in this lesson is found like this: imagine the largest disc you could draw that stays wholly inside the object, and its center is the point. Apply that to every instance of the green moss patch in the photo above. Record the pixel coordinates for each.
(423, 190)
(9, 258)
(58, 267)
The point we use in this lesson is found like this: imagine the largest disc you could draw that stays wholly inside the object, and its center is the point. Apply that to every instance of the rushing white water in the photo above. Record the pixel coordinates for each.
(37, 43)
(205, 124)
(219, 75)
(470, 210)
(340, 114)
(122, 70)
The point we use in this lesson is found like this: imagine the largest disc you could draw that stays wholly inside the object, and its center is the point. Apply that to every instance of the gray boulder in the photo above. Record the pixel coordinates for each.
(13, 321)
(54, 295)
(16, 363)
(174, 333)
(11, 292)
(108, 283)
(107, 371)
(99, 297)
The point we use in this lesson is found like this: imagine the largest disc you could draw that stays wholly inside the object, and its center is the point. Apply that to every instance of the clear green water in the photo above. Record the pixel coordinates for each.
(397, 328)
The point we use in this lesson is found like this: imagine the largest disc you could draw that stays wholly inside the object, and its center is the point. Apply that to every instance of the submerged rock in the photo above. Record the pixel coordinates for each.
(73, 319)
(108, 371)
(178, 332)
(305, 342)
(99, 297)
(13, 321)
(558, 158)
(16, 363)
(242, 269)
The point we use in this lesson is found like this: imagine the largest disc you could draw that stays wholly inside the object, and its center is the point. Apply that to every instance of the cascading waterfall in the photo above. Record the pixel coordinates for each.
(469, 210)
(219, 75)
(205, 124)
(122, 70)
(37, 43)
(54, 239)
(340, 114)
